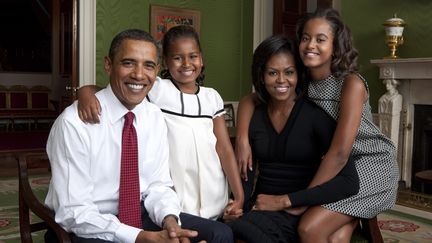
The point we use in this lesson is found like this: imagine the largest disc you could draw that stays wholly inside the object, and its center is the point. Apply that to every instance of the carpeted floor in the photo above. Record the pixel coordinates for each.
(9, 217)
(396, 227)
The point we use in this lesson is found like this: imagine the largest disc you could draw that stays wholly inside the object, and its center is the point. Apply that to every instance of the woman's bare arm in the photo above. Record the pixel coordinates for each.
(242, 147)
(353, 97)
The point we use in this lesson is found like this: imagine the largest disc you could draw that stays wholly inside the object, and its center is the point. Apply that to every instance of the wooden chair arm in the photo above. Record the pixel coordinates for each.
(43, 212)
(46, 214)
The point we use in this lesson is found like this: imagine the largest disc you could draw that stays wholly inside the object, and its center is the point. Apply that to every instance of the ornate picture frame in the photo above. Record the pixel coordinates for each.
(162, 18)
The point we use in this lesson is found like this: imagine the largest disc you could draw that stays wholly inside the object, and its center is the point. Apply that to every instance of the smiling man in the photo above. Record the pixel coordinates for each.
(88, 161)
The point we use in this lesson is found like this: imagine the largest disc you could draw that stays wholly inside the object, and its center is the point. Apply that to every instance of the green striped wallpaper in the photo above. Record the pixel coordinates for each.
(226, 37)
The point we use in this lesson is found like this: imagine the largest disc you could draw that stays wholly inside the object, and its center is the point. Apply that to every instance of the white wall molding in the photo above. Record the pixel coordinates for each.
(263, 21)
(87, 42)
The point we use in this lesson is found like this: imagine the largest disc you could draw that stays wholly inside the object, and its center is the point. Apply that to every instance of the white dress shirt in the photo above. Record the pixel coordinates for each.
(85, 161)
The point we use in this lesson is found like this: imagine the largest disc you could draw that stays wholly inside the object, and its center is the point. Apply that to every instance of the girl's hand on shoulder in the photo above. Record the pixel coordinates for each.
(233, 210)
(243, 154)
(89, 107)
(266, 202)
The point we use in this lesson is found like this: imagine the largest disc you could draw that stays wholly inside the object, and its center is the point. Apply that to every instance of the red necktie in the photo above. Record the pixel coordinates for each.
(129, 209)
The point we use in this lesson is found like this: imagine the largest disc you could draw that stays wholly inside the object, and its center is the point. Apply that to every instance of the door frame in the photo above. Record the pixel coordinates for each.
(87, 43)
(263, 17)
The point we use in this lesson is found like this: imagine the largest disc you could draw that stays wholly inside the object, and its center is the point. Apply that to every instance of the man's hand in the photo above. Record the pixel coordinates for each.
(233, 210)
(175, 231)
(171, 232)
(154, 237)
(272, 202)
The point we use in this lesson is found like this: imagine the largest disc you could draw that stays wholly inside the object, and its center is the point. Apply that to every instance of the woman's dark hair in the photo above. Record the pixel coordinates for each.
(344, 58)
(130, 34)
(269, 47)
(173, 34)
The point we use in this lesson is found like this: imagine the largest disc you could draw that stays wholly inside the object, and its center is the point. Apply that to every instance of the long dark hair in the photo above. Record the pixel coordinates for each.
(344, 58)
(269, 47)
(173, 34)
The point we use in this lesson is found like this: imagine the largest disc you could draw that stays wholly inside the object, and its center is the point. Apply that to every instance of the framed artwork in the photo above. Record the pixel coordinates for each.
(162, 18)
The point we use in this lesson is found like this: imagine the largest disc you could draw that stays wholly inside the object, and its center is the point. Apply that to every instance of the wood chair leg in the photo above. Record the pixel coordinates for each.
(370, 226)
(24, 221)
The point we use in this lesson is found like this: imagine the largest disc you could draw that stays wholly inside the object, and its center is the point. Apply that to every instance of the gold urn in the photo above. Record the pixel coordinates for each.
(394, 29)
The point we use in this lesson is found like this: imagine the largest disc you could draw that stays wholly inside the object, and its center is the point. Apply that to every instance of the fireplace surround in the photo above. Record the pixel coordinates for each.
(415, 77)
(422, 146)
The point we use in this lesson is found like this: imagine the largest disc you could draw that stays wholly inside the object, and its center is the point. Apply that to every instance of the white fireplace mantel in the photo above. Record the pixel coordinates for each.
(404, 68)
(415, 77)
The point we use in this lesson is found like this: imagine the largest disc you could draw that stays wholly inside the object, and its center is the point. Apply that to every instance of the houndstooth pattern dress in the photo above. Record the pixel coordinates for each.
(374, 155)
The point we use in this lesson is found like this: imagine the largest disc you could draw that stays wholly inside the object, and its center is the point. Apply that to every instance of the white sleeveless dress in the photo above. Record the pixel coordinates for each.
(195, 167)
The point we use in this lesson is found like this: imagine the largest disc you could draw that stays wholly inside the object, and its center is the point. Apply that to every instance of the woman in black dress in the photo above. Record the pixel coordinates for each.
(289, 136)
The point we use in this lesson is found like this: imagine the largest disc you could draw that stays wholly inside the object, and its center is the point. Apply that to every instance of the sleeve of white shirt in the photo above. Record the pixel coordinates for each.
(160, 199)
(71, 186)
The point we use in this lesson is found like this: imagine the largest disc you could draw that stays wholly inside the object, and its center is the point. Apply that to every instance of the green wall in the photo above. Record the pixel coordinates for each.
(226, 37)
(365, 18)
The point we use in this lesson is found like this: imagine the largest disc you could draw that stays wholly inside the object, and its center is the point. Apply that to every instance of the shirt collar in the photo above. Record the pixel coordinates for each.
(114, 108)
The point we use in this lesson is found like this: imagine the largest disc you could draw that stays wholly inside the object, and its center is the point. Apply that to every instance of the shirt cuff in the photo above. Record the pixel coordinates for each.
(126, 233)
